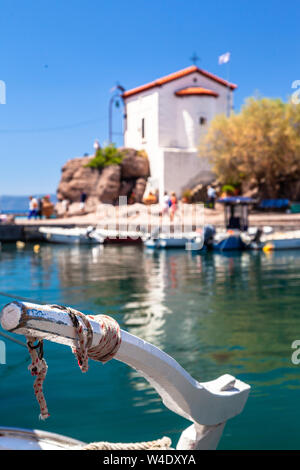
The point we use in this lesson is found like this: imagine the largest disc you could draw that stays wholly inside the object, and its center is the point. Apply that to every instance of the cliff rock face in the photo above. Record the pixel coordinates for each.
(108, 185)
(104, 185)
(134, 165)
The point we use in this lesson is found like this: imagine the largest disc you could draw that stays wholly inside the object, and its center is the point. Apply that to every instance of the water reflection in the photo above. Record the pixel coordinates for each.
(212, 311)
(215, 314)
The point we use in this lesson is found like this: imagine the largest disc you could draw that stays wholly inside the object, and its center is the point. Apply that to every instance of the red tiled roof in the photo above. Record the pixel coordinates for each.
(175, 76)
(196, 90)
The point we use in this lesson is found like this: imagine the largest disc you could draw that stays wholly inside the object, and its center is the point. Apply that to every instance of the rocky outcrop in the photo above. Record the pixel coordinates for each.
(75, 179)
(104, 185)
(108, 187)
(134, 164)
(139, 189)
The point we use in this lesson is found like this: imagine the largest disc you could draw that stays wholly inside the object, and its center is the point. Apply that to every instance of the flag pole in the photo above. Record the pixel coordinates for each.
(228, 91)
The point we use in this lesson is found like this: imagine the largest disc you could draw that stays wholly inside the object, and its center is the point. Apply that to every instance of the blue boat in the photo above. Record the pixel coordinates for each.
(231, 241)
(236, 222)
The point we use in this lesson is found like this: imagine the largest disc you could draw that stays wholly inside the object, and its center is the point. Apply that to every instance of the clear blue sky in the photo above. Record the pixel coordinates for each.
(60, 58)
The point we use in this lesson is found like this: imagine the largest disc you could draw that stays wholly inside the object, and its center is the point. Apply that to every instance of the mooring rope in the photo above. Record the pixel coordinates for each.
(108, 346)
(160, 444)
(109, 343)
(19, 297)
(38, 368)
(14, 340)
(104, 351)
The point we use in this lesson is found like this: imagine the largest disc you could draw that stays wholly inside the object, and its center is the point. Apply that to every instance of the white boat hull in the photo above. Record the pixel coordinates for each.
(173, 242)
(120, 236)
(72, 239)
(288, 244)
(208, 405)
(73, 236)
(32, 439)
(288, 240)
(195, 245)
(179, 241)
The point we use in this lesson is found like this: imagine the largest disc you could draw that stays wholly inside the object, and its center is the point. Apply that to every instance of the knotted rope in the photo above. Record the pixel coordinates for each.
(109, 343)
(103, 352)
(38, 368)
(160, 444)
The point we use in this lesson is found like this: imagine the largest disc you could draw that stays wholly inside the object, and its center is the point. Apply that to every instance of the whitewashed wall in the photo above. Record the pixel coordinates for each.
(181, 167)
(144, 105)
(172, 129)
(189, 111)
(171, 109)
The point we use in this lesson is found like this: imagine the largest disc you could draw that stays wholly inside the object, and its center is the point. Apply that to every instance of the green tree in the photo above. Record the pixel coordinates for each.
(260, 145)
(106, 156)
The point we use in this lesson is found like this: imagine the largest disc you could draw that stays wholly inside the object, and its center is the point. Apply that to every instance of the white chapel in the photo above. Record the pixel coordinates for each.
(168, 117)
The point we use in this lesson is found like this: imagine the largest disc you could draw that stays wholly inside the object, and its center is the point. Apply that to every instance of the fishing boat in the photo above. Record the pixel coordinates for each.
(74, 235)
(231, 240)
(203, 241)
(289, 240)
(120, 236)
(184, 240)
(195, 244)
(236, 223)
(208, 405)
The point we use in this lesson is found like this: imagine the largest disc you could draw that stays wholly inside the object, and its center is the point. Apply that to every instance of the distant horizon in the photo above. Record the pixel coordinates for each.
(28, 195)
(20, 202)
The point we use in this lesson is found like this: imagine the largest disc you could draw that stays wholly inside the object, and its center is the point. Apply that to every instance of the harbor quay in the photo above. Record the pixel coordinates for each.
(28, 230)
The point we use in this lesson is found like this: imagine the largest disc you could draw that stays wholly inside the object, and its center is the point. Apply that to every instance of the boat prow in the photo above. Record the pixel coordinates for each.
(208, 405)
(76, 235)
(33, 439)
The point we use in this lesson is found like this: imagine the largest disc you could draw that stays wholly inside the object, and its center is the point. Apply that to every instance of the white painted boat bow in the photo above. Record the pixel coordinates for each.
(208, 405)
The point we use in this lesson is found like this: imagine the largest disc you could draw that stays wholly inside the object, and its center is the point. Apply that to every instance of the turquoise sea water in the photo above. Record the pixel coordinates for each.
(214, 314)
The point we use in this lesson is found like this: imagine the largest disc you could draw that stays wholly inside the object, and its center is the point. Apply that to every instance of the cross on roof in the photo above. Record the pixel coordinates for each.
(195, 58)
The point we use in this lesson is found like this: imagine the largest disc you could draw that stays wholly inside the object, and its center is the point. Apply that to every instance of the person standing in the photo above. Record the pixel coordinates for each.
(165, 204)
(96, 146)
(82, 200)
(48, 207)
(65, 206)
(173, 206)
(132, 198)
(39, 207)
(211, 194)
(33, 207)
